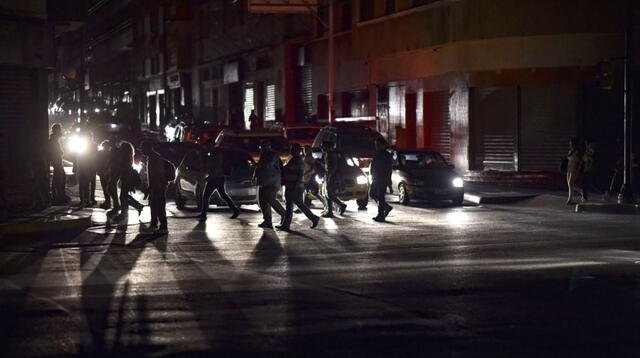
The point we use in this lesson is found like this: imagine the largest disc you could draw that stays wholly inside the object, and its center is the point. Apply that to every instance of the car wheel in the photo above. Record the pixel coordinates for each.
(458, 200)
(179, 200)
(403, 195)
(362, 203)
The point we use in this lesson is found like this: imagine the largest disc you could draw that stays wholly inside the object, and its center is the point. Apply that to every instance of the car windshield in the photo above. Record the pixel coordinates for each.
(302, 133)
(419, 161)
(252, 144)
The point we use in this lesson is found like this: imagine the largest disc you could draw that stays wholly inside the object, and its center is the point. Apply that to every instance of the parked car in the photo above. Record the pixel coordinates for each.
(425, 175)
(250, 141)
(190, 179)
(303, 135)
(357, 145)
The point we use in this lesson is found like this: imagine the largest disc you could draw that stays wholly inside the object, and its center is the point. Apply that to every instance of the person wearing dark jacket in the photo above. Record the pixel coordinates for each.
(87, 173)
(381, 170)
(268, 177)
(332, 180)
(157, 179)
(58, 182)
(114, 165)
(312, 168)
(102, 168)
(293, 180)
(129, 178)
(213, 164)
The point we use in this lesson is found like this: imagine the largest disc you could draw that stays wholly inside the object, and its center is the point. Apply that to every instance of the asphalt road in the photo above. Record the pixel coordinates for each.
(512, 281)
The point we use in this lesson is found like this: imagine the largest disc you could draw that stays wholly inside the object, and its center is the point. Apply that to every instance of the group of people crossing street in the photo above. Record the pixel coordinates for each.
(112, 161)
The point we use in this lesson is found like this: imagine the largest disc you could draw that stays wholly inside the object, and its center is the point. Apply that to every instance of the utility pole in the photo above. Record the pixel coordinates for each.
(626, 193)
(82, 74)
(331, 67)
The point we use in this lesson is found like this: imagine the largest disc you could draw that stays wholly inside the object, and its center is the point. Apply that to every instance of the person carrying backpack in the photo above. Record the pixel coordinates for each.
(213, 163)
(159, 174)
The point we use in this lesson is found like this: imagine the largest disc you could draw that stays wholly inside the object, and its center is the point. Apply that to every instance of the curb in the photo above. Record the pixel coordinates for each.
(609, 208)
(46, 224)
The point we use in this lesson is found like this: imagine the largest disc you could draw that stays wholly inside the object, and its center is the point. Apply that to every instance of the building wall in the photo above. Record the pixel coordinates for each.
(25, 53)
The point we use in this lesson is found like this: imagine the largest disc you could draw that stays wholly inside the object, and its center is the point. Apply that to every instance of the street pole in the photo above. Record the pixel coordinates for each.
(626, 193)
(331, 67)
(82, 74)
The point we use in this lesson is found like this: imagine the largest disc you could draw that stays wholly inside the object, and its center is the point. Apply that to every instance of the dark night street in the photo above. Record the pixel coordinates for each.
(433, 281)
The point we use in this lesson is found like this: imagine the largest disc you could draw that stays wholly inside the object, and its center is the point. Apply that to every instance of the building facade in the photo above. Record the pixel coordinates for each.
(493, 85)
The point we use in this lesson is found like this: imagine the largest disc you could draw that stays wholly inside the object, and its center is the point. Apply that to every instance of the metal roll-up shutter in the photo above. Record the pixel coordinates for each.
(494, 119)
(548, 121)
(440, 123)
(17, 130)
(306, 91)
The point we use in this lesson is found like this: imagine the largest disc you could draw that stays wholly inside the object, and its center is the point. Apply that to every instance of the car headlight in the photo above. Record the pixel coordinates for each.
(77, 144)
(457, 183)
(113, 126)
(361, 180)
(319, 180)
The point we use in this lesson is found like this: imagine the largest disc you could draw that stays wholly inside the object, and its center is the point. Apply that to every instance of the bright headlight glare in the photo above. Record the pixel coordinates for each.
(113, 125)
(350, 162)
(137, 166)
(457, 183)
(77, 144)
(361, 180)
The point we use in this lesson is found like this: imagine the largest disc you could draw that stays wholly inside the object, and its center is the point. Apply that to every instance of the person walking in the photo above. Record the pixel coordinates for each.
(312, 168)
(114, 170)
(268, 177)
(292, 177)
(589, 163)
(381, 169)
(129, 180)
(58, 182)
(331, 180)
(102, 169)
(574, 168)
(87, 173)
(214, 167)
(157, 179)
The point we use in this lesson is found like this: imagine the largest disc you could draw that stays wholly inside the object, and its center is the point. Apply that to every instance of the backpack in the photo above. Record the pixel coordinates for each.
(169, 171)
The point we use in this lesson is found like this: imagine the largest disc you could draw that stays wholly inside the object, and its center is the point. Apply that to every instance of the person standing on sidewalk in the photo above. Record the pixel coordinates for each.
(381, 169)
(58, 182)
(129, 180)
(292, 177)
(157, 179)
(574, 169)
(213, 165)
(331, 180)
(589, 163)
(268, 176)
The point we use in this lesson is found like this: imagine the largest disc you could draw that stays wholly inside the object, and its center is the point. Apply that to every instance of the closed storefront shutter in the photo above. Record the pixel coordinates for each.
(437, 121)
(494, 119)
(306, 92)
(548, 121)
(17, 115)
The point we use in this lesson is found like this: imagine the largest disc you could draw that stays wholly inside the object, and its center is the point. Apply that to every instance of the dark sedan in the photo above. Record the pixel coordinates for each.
(190, 179)
(425, 175)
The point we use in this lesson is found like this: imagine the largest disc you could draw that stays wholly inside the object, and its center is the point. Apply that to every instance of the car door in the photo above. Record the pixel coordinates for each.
(191, 174)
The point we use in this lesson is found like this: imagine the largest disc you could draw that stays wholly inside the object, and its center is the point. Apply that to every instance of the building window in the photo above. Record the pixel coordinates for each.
(153, 22)
(270, 103)
(390, 7)
(248, 103)
(366, 10)
(155, 64)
